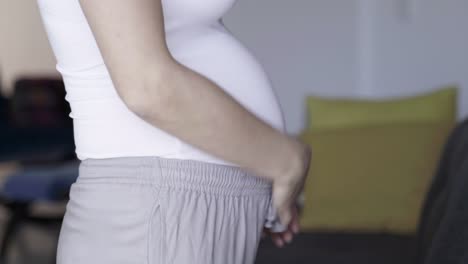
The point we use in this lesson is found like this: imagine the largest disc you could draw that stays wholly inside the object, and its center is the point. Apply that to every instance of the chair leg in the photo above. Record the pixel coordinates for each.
(47, 222)
(18, 213)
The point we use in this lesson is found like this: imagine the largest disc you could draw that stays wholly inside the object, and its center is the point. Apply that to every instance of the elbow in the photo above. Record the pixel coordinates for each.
(150, 97)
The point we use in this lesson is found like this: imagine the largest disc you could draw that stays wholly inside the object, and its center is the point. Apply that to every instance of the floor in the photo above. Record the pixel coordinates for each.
(325, 248)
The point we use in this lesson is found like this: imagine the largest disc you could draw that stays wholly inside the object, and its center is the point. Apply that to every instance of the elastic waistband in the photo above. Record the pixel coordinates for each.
(171, 172)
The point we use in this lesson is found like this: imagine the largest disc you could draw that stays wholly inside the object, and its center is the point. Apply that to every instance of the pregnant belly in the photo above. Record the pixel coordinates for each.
(214, 53)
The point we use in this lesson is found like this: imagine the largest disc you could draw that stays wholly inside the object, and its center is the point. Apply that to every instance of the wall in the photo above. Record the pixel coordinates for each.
(24, 48)
(305, 46)
(418, 47)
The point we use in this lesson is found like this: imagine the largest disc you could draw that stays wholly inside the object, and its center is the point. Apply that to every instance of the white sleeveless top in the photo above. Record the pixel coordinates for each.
(103, 125)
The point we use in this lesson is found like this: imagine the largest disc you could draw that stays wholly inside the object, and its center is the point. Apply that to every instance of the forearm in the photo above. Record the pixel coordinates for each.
(194, 109)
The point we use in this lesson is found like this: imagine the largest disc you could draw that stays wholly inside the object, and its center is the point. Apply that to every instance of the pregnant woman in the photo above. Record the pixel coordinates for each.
(184, 156)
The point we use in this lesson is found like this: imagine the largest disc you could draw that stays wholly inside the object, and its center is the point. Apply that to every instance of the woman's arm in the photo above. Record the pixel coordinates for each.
(172, 97)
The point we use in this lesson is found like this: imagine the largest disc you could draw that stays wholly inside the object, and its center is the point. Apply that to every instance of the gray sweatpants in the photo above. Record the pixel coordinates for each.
(154, 210)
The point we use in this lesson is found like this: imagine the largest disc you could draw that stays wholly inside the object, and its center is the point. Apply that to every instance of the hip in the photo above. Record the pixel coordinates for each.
(160, 210)
(159, 172)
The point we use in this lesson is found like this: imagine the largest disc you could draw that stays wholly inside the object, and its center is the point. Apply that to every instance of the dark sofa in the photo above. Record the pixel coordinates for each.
(335, 248)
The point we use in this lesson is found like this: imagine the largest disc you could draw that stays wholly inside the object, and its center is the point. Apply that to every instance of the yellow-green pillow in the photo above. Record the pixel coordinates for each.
(370, 179)
(326, 113)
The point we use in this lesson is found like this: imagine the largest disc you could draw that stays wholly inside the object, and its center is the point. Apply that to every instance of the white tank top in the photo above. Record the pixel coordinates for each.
(103, 125)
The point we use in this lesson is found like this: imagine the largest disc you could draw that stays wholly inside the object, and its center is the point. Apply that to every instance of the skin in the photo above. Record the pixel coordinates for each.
(130, 35)
(280, 239)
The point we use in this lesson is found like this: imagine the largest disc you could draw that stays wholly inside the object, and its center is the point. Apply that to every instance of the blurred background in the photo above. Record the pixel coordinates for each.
(378, 88)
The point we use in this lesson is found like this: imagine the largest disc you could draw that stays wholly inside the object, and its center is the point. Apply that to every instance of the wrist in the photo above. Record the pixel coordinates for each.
(293, 162)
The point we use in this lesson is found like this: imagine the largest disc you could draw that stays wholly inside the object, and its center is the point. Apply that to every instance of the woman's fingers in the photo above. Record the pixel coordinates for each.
(287, 189)
(277, 239)
(282, 200)
(286, 237)
(294, 225)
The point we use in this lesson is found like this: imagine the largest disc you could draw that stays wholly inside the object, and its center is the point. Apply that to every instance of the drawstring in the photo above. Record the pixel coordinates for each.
(272, 221)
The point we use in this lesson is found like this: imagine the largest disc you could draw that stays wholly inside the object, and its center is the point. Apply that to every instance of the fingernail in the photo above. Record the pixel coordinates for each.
(279, 243)
(295, 229)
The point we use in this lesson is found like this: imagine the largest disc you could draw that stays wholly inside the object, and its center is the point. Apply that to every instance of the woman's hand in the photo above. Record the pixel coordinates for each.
(286, 188)
(281, 238)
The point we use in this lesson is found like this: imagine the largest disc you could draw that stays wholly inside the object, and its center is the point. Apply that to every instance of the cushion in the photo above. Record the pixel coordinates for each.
(324, 113)
(41, 182)
(372, 178)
